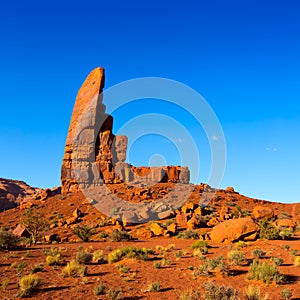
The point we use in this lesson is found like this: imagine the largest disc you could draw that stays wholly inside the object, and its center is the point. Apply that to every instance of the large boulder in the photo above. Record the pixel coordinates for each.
(234, 230)
(261, 211)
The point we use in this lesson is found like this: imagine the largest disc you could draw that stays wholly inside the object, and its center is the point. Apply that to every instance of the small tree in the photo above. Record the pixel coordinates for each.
(34, 222)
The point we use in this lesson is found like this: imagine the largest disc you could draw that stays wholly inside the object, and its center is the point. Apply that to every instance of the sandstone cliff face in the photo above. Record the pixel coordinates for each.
(12, 192)
(101, 155)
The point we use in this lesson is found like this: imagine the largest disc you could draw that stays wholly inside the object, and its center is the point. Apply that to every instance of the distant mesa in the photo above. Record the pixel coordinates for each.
(102, 154)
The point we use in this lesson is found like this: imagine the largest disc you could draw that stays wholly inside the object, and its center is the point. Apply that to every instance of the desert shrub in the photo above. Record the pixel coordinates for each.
(38, 268)
(157, 265)
(99, 289)
(213, 292)
(201, 245)
(4, 283)
(294, 252)
(188, 234)
(8, 241)
(165, 262)
(84, 257)
(74, 269)
(237, 212)
(27, 284)
(258, 253)
(178, 254)
(286, 294)
(253, 293)
(285, 233)
(120, 236)
(278, 261)
(154, 287)
(103, 235)
(35, 223)
(129, 252)
(265, 272)
(190, 295)
(216, 263)
(240, 244)
(84, 232)
(53, 257)
(198, 253)
(114, 294)
(98, 256)
(267, 230)
(19, 267)
(297, 261)
(236, 257)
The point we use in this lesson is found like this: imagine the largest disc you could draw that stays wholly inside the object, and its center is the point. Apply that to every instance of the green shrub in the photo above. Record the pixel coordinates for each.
(99, 289)
(201, 245)
(27, 284)
(286, 233)
(258, 253)
(8, 241)
(267, 230)
(278, 261)
(154, 287)
(98, 256)
(286, 294)
(84, 257)
(114, 294)
(19, 266)
(253, 293)
(188, 234)
(128, 252)
(84, 232)
(241, 244)
(120, 236)
(74, 269)
(216, 263)
(190, 295)
(35, 223)
(297, 261)
(236, 257)
(213, 292)
(265, 272)
(53, 256)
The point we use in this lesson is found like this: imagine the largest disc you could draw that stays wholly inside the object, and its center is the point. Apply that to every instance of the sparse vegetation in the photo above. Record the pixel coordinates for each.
(74, 269)
(8, 241)
(265, 272)
(213, 292)
(278, 261)
(236, 257)
(27, 284)
(114, 294)
(297, 261)
(202, 246)
(154, 287)
(253, 293)
(286, 294)
(258, 253)
(188, 234)
(267, 230)
(120, 236)
(35, 223)
(53, 256)
(190, 295)
(84, 232)
(99, 289)
(129, 252)
(84, 257)
(98, 256)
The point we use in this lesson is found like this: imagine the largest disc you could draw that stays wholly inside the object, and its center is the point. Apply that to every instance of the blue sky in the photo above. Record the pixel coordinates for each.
(241, 56)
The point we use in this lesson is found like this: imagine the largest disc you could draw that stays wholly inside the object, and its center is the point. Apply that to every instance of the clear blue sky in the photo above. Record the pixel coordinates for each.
(242, 56)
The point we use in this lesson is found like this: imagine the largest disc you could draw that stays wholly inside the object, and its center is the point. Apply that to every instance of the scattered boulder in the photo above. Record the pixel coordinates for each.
(230, 189)
(261, 211)
(285, 223)
(181, 220)
(171, 229)
(77, 213)
(142, 233)
(156, 229)
(21, 231)
(233, 230)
